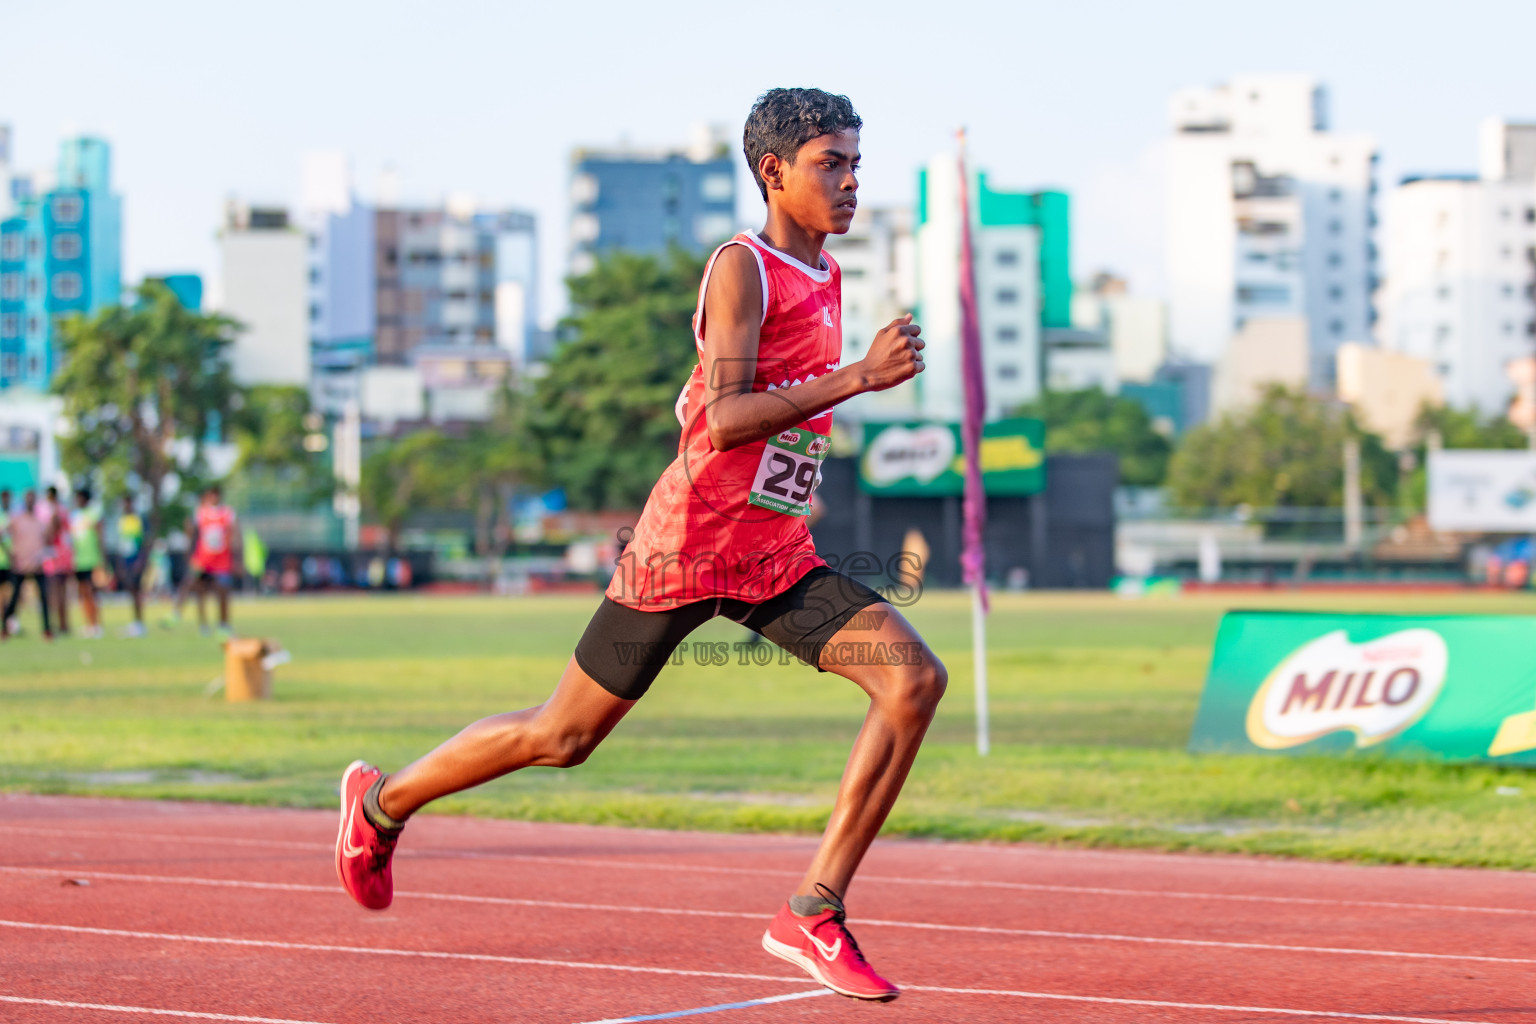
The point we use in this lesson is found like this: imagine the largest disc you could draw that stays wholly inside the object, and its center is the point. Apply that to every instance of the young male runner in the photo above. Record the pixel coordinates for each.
(724, 533)
(214, 540)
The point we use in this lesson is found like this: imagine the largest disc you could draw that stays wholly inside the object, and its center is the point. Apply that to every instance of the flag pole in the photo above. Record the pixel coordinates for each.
(973, 553)
(979, 655)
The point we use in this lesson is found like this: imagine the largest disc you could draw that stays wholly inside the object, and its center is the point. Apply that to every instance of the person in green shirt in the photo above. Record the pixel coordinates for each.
(88, 541)
(132, 557)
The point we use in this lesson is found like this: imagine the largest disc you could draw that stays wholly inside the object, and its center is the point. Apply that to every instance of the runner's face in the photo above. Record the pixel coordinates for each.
(821, 186)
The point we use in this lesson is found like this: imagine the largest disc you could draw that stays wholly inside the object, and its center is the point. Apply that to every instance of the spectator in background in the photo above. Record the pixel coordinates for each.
(5, 557)
(58, 558)
(27, 537)
(214, 539)
(130, 558)
(87, 541)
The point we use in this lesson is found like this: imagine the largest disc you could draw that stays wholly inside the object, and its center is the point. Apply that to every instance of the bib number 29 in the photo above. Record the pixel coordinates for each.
(786, 475)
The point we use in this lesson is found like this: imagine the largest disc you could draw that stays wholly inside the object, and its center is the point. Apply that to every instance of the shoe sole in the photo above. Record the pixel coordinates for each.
(341, 826)
(787, 952)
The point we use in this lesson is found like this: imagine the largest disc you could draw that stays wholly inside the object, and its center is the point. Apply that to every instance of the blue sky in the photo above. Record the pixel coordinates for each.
(202, 100)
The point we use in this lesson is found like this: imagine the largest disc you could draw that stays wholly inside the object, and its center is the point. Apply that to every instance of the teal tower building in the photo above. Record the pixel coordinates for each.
(60, 254)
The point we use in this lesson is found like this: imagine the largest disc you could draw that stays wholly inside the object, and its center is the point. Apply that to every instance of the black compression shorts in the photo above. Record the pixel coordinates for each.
(624, 649)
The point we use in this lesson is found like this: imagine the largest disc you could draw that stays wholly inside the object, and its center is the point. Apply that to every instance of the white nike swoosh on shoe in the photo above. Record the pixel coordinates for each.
(347, 849)
(829, 952)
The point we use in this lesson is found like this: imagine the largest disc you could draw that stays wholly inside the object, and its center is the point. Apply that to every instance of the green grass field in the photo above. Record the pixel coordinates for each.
(1092, 700)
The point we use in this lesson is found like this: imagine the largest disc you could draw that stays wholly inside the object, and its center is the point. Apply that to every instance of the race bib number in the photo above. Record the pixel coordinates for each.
(213, 538)
(787, 474)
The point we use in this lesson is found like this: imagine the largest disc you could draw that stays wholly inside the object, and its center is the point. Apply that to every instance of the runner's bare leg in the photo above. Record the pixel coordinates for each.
(902, 701)
(559, 733)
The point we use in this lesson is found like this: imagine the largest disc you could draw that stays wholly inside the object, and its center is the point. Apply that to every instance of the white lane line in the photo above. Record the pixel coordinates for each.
(714, 1009)
(1006, 993)
(605, 908)
(673, 868)
(1168, 1004)
(427, 954)
(152, 1010)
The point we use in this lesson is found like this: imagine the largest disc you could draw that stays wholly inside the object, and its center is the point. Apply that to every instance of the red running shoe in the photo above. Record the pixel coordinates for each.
(823, 947)
(362, 851)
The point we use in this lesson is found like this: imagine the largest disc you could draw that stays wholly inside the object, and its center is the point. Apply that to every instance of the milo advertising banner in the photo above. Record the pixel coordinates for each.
(926, 458)
(1451, 687)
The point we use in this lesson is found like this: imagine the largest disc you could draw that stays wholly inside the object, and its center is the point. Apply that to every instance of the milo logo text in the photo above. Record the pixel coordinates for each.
(818, 447)
(789, 437)
(1374, 689)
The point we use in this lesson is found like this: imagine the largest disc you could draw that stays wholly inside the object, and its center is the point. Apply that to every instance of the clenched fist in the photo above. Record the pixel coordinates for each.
(895, 355)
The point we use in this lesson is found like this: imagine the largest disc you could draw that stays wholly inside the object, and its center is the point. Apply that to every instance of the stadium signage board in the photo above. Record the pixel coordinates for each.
(1478, 491)
(925, 458)
(1448, 687)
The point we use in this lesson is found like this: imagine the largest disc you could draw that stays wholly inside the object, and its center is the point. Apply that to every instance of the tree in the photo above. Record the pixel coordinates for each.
(415, 472)
(1284, 452)
(1091, 421)
(143, 386)
(602, 417)
(489, 464)
(271, 429)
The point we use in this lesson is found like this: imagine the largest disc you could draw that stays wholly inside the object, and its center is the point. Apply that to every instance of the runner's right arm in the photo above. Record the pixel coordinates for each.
(733, 306)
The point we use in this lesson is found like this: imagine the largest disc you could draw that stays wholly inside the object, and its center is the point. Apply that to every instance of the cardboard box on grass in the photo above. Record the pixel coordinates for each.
(248, 665)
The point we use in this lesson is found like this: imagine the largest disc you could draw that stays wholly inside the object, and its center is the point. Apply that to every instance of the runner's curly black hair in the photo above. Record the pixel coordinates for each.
(783, 120)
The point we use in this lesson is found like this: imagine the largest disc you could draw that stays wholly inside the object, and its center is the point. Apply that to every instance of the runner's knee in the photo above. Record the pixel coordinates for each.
(916, 690)
(565, 747)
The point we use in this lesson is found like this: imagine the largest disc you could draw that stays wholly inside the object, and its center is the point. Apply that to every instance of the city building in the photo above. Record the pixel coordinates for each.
(878, 258)
(266, 287)
(1137, 327)
(1460, 253)
(387, 281)
(1266, 351)
(1021, 245)
(1269, 214)
(6, 173)
(1079, 360)
(1387, 390)
(646, 201)
(60, 254)
(188, 288)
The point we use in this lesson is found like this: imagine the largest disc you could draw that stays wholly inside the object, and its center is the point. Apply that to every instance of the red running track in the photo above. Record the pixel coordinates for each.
(115, 910)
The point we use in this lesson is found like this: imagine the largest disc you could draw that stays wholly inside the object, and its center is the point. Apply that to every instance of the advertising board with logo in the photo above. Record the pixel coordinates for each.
(926, 458)
(1482, 490)
(1449, 687)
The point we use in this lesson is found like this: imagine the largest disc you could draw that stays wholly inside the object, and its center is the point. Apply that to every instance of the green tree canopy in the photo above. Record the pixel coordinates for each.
(419, 471)
(143, 386)
(1284, 452)
(602, 416)
(1467, 428)
(269, 429)
(1091, 421)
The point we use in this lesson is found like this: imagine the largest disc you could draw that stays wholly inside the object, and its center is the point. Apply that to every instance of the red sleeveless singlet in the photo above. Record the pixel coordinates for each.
(705, 532)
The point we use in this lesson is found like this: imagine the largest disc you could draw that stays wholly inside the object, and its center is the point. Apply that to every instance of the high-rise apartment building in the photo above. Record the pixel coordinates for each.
(265, 274)
(1269, 214)
(1022, 250)
(60, 253)
(647, 201)
(1460, 252)
(387, 282)
(6, 197)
